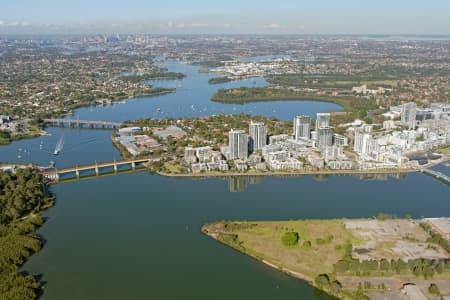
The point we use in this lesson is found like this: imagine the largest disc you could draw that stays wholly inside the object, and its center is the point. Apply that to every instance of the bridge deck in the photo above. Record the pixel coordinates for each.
(102, 165)
(82, 122)
(437, 174)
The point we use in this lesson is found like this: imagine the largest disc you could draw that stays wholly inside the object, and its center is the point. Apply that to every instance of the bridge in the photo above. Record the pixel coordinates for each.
(82, 123)
(74, 172)
(437, 175)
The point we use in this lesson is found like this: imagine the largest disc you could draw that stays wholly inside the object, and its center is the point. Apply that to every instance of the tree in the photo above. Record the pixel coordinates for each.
(336, 287)
(439, 267)
(290, 238)
(322, 281)
(384, 265)
(434, 289)
(21, 194)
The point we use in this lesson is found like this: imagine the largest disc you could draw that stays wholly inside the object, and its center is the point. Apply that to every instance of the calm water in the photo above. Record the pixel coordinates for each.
(192, 100)
(137, 236)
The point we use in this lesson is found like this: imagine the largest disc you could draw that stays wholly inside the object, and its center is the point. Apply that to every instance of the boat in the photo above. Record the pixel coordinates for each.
(59, 146)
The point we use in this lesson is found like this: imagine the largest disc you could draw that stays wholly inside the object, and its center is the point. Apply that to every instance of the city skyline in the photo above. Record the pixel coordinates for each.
(200, 17)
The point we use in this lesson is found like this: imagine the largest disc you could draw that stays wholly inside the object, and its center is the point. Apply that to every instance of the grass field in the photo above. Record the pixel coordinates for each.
(445, 151)
(315, 247)
(263, 240)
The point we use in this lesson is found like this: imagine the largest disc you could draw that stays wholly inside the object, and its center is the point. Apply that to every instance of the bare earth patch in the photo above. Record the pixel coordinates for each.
(391, 239)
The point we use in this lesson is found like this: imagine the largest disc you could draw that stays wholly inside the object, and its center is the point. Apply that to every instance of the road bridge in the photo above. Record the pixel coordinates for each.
(82, 123)
(55, 174)
(437, 175)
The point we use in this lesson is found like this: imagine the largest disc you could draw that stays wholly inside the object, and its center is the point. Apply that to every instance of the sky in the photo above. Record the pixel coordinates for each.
(225, 16)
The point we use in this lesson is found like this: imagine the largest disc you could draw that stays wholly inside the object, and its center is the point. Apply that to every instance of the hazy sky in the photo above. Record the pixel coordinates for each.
(225, 16)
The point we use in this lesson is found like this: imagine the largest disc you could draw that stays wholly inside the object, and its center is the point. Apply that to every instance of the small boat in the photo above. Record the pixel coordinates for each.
(59, 146)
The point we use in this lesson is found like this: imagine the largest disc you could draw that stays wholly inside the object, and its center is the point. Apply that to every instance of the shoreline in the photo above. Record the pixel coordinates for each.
(308, 280)
(231, 237)
(296, 173)
(442, 160)
(43, 132)
(340, 101)
(294, 274)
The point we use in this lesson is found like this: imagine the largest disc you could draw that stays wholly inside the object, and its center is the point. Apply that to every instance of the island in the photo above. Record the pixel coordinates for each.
(378, 258)
(154, 76)
(216, 80)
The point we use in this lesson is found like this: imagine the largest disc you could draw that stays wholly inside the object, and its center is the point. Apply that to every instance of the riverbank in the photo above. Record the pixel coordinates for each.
(8, 139)
(293, 173)
(328, 254)
(20, 217)
(17, 137)
(262, 94)
(154, 76)
(154, 93)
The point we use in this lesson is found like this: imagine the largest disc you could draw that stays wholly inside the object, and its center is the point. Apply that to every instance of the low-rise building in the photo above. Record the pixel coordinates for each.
(129, 130)
(288, 164)
(340, 140)
(172, 131)
(199, 167)
(275, 139)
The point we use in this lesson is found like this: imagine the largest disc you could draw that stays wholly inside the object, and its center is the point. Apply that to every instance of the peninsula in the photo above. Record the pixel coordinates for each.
(350, 259)
(221, 145)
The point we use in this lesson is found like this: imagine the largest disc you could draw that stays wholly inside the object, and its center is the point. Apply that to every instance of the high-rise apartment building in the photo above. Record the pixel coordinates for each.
(302, 127)
(238, 144)
(258, 136)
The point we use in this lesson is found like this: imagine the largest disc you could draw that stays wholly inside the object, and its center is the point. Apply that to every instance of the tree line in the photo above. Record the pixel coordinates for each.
(23, 196)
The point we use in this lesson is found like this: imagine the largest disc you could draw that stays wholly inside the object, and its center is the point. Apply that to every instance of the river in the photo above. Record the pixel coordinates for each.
(137, 235)
(192, 99)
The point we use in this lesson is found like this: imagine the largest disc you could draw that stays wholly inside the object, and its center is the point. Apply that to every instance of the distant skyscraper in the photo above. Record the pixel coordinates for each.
(323, 120)
(408, 114)
(258, 136)
(324, 137)
(302, 127)
(238, 143)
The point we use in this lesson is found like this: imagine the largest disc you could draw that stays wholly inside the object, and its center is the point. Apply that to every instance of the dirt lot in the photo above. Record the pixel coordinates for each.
(391, 239)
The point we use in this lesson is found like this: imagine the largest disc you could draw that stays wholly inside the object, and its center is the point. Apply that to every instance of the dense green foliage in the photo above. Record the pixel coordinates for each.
(328, 81)
(290, 238)
(436, 238)
(433, 289)
(153, 76)
(418, 267)
(216, 80)
(245, 95)
(22, 196)
(323, 281)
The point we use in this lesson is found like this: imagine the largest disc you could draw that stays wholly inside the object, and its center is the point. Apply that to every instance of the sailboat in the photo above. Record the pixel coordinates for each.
(59, 146)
